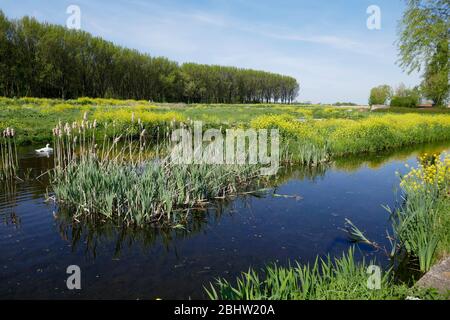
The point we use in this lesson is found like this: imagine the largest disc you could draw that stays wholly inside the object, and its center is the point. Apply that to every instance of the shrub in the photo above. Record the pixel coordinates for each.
(406, 102)
(405, 97)
(380, 94)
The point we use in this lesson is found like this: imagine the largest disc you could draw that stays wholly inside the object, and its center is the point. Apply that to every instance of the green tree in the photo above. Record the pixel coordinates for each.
(435, 85)
(380, 95)
(6, 55)
(405, 97)
(423, 44)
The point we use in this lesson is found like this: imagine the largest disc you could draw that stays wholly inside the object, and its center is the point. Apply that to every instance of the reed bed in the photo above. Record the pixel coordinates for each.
(117, 180)
(8, 155)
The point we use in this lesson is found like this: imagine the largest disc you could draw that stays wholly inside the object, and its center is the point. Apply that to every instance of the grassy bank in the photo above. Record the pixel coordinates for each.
(348, 136)
(434, 110)
(34, 118)
(421, 232)
(327, 279)
(422, 223)
(311, 133)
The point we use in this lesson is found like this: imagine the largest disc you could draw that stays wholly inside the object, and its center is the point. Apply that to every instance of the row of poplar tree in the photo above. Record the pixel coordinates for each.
(45, 60)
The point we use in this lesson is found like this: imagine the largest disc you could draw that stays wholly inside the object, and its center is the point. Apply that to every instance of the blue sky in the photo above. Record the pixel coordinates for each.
(324, 44)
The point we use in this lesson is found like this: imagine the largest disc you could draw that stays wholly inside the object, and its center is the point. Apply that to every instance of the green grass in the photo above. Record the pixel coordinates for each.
(415, 226)
(33, 118)
(243, 114)
(327, 279)
(434, 110)
(443, 230)
(311, 134)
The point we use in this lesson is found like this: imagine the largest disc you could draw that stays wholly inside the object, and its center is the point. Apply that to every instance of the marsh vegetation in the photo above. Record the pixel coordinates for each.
(112, 167)
(341, 278)
(130, 184)
(8, 154)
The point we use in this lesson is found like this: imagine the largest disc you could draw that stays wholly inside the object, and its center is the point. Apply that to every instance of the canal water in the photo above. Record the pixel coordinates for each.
(300, 218)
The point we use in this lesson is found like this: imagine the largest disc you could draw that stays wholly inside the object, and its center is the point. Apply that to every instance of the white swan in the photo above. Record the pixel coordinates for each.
(47, 149)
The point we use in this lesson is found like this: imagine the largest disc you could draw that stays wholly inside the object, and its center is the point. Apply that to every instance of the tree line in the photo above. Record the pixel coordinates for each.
(402, 96)
(46, 60)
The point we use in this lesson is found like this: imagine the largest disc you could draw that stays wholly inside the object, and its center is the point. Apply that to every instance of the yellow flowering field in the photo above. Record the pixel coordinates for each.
(370, 134)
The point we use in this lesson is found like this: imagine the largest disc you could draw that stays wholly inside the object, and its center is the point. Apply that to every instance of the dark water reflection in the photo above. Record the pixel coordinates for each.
(37, 242)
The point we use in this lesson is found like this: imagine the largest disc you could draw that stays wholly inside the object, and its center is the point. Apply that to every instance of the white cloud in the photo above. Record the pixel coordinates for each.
(330, 64)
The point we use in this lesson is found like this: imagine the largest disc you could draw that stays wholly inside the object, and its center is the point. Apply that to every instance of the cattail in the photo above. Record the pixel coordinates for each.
(95, 123)
(85, 116)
